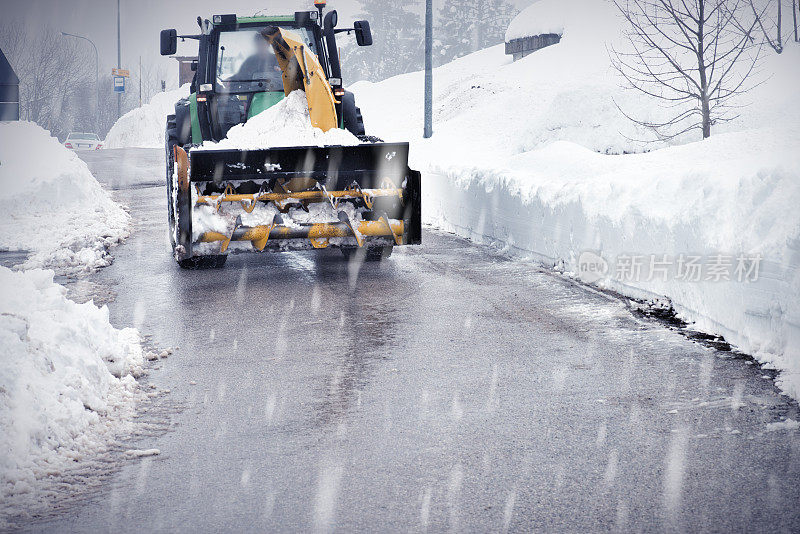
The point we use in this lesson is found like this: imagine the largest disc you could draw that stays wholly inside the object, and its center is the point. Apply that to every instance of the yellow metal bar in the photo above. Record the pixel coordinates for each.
(300, 195)
(259, 235)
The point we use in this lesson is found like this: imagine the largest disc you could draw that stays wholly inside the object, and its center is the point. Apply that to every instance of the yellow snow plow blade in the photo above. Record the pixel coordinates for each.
(295, 197)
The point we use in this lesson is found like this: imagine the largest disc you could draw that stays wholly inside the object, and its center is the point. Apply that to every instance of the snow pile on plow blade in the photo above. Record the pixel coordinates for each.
(293, 198)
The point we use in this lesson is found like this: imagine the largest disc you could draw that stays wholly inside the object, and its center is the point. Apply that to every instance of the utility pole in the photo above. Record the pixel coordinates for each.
(140, 81)
(119, 64)
(96, 78)
(428, 131)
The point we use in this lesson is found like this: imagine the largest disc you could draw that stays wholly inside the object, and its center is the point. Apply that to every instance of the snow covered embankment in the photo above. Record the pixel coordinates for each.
(66, 381)
(519, 158)
(144, 127)
(54, 207)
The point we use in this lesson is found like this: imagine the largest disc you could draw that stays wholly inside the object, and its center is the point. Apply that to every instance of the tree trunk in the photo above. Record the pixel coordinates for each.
(705, 108)
(794, 18)
(706, 118)
(780, 38)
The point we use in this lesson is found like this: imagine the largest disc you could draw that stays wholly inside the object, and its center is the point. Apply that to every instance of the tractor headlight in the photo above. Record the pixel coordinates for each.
(224, 19)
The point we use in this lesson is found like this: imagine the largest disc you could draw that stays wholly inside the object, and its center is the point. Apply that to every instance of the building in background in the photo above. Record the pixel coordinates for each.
(185, 71)
(537, 26)
(9, 91)
(522, 46)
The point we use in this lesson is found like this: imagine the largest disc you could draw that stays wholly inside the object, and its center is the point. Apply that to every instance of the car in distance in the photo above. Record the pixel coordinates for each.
(83, 141)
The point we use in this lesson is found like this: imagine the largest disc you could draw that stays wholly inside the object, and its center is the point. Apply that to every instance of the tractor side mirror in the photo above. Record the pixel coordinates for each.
(169, 42)
(363, 33)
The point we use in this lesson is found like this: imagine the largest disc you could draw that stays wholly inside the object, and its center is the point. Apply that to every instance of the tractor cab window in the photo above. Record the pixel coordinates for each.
(246, 61)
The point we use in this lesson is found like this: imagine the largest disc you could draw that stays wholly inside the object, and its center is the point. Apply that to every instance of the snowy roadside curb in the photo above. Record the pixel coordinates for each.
(722, 199)
(67, 376)
(67, 384)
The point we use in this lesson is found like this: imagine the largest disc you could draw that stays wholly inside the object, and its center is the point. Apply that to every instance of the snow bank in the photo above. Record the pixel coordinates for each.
(728, 204)
(544, 16)
(144, 127)
(534, 156)
(54, 207)
(66, 379)
(285, 124)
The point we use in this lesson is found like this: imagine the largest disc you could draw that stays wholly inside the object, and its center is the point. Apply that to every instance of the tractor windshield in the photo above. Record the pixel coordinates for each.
(245, 56)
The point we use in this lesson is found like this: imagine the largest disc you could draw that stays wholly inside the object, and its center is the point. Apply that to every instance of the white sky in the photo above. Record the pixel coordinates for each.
(143, 19)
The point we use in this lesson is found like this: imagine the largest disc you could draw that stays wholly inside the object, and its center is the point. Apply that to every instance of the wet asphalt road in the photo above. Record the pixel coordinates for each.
(448, 388)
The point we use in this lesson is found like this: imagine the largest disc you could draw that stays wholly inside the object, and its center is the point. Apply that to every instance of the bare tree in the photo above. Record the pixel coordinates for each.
(54, 75)
(766, 23)
(151, 76)
(693, 56)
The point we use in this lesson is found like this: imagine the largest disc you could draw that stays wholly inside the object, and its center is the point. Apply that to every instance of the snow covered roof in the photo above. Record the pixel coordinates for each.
(544, 16)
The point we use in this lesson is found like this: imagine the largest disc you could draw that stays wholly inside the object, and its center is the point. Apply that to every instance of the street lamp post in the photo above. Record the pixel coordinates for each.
(96, 79)
(119, 63)
(428, 126)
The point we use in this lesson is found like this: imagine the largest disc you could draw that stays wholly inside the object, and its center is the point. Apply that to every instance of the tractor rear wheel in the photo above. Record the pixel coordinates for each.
(351, 115)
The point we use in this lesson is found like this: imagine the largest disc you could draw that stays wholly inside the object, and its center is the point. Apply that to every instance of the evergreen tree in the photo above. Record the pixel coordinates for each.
(470, 25)
(398, 42)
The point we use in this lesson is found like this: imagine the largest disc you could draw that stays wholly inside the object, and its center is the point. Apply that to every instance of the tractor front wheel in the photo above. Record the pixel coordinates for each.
(171, 140)
(367, 253)
(204, 262)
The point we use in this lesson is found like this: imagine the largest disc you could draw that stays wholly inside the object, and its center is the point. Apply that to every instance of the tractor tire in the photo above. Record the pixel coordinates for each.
(351, 115)
(204, 262)
(171, 139)
(368, 253)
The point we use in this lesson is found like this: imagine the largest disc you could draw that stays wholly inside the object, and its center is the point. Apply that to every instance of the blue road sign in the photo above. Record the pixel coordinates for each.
(119, 84)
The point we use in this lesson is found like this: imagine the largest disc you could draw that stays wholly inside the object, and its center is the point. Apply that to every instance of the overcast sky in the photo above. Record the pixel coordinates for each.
(143, 19)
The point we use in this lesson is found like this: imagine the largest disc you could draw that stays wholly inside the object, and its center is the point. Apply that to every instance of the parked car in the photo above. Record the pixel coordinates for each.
(83, 141)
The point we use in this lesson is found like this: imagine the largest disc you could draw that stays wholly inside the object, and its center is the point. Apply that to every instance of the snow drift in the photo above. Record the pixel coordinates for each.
(144, 127)
(54, 207)
(66, 383)
(284, 124)
(535, 157)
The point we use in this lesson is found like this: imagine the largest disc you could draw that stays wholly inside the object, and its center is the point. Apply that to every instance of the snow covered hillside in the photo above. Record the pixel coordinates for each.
(536, 157)
(144, 127)
(66, 381)
(54, 207)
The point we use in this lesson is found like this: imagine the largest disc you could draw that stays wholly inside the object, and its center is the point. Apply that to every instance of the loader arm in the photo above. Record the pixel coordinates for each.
(302, 70)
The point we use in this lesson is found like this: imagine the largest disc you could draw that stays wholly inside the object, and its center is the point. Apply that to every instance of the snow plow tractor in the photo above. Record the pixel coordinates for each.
(360, 197)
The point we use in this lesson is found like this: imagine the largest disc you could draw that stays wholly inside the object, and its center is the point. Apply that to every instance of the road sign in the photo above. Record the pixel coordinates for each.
(119, 84)
(120, 72)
